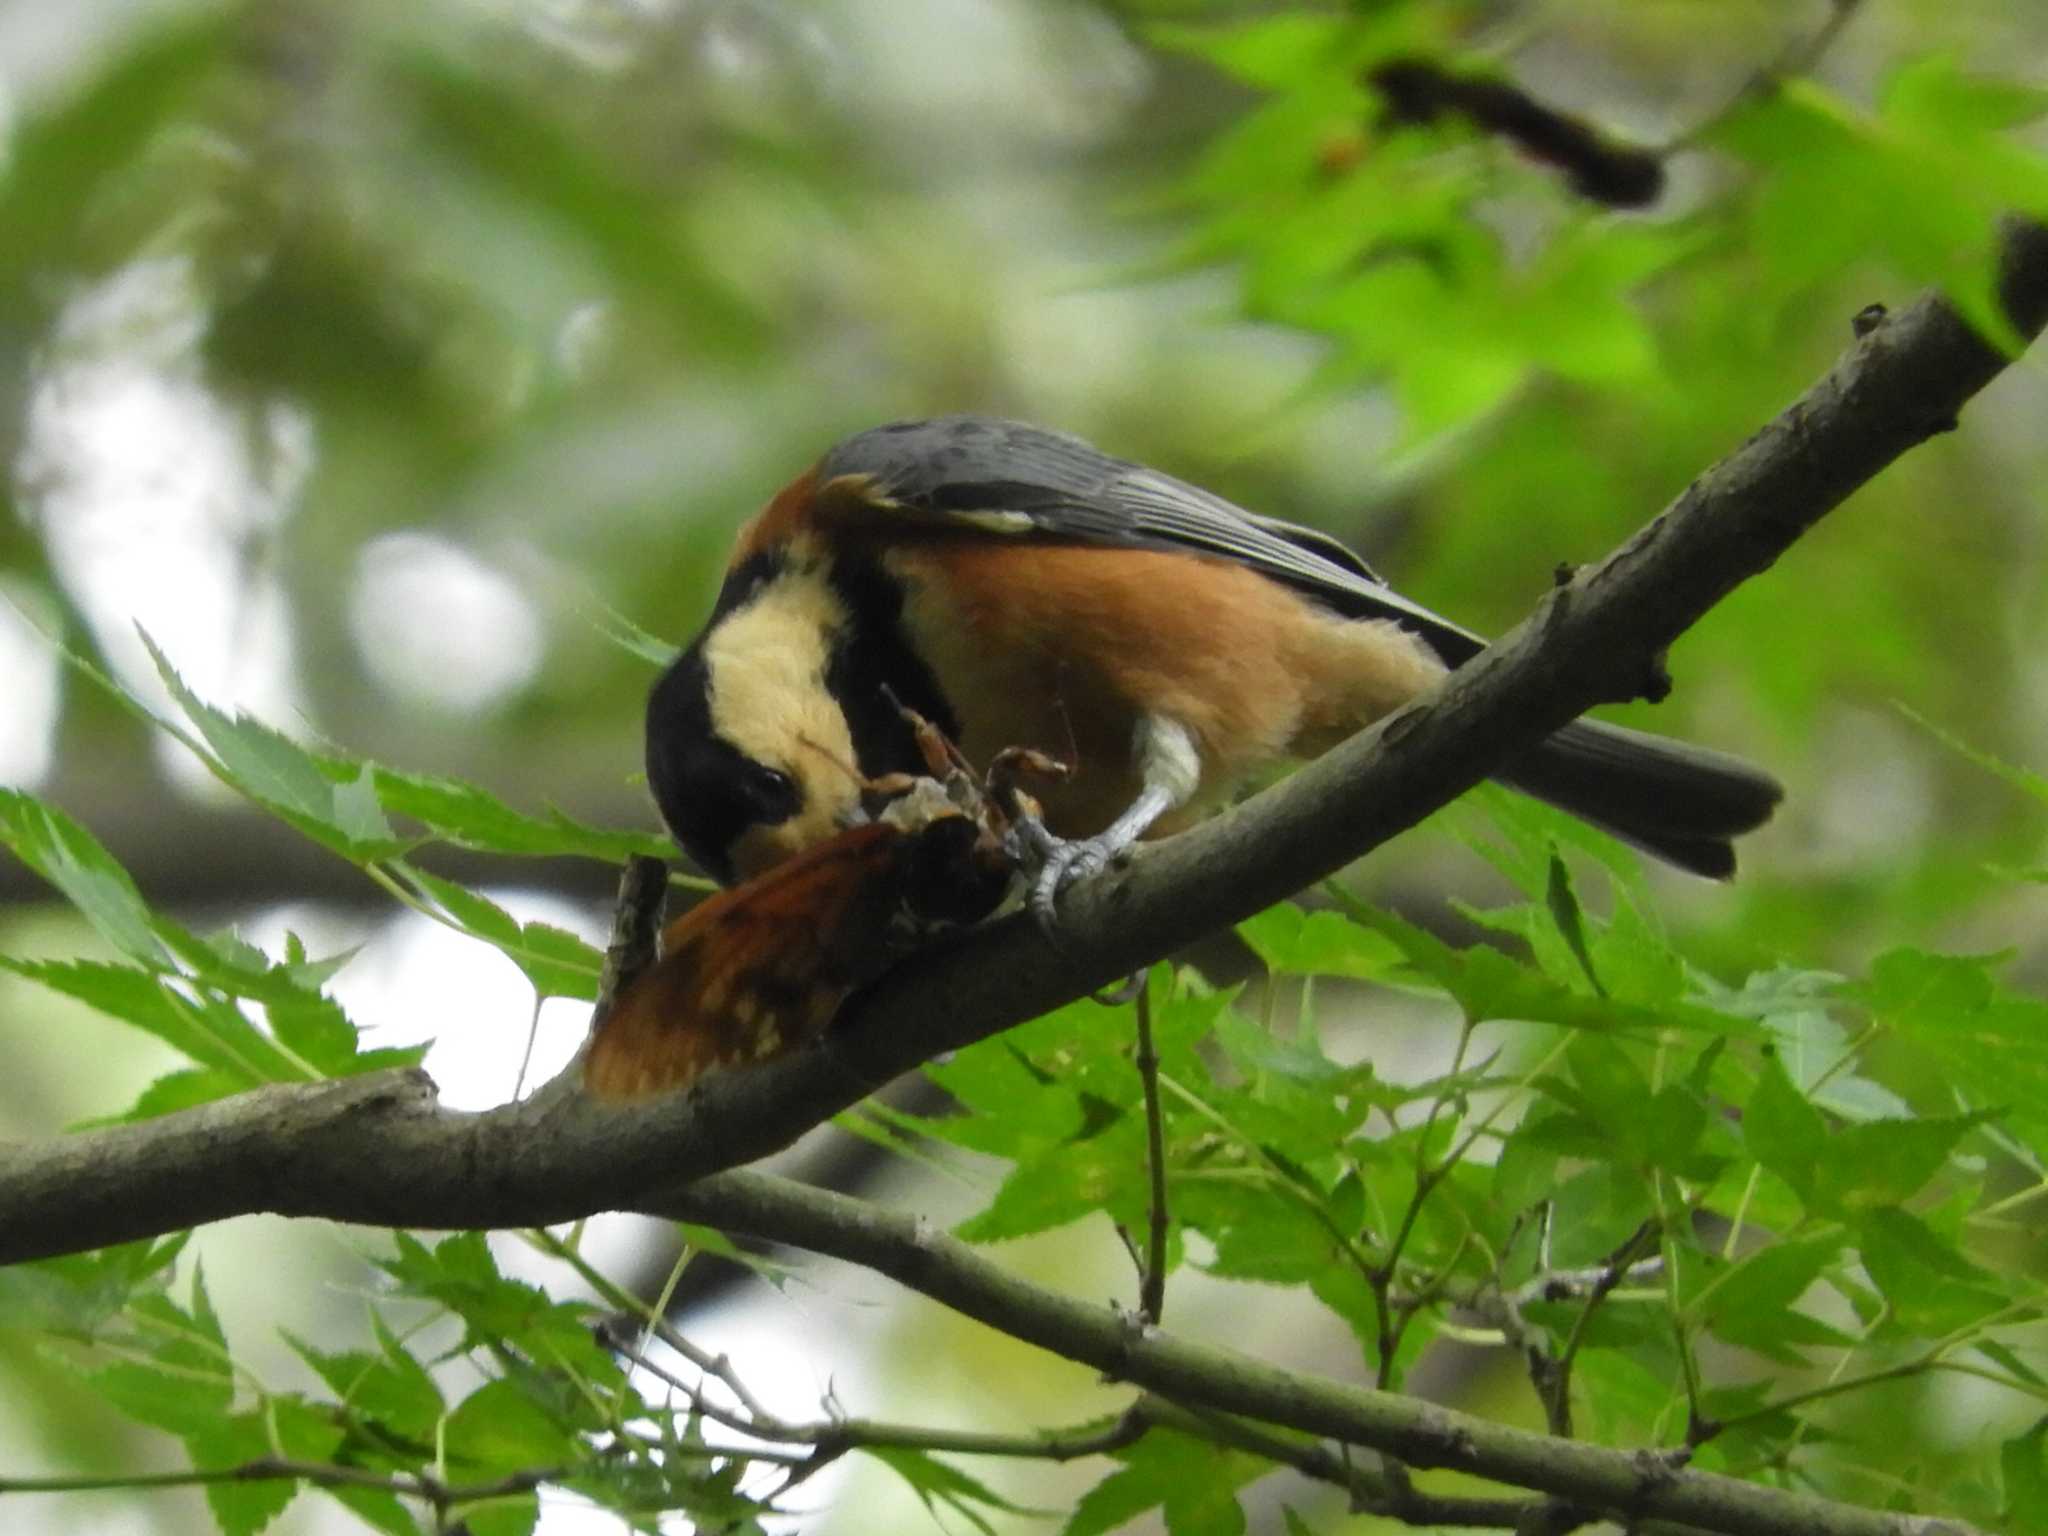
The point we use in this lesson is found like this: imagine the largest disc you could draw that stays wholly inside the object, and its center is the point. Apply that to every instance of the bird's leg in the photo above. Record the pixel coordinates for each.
(1169, 768)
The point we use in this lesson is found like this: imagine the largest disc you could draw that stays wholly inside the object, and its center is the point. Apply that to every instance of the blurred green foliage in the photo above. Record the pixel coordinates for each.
(571, 288)
(1695, 1206)
(574, 288)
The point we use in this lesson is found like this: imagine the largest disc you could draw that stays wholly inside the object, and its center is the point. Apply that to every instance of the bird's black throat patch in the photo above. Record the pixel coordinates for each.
(871, 660)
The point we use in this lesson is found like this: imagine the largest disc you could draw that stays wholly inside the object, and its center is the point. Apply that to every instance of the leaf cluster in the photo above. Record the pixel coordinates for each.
(1685, 1205)
(1762, 1217)
(1695, 1213)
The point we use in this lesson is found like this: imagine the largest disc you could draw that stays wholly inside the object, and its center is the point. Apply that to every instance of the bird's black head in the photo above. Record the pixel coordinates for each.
(708, 791)
(761, 735)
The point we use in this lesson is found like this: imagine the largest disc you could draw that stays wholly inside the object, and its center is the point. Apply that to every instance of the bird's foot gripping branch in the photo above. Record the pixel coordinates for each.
(1654, 1121)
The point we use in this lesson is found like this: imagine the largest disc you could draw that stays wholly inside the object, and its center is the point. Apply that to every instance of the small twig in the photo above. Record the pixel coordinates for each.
(1123, 992)
(526, 1056)
(719, 1366)
(1049, 1445)
(431, 1490)
(1564, 1284)
(635, 945)
(693, 1393)
(1699, 1429)
(1550, 1370)
(1798, 57)
(1390, 1493)
(1931, 1360)
(835, 1435)
(1504, 1312)
(1391, 1321)
(1624, 1258)
(636, 929)
(1265, 1167)
(1428, 1177)
(1152, 1280)
(1123, 1235)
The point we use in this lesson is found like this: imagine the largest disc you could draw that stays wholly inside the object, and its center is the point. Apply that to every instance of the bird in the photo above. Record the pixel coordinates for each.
(1018, 587)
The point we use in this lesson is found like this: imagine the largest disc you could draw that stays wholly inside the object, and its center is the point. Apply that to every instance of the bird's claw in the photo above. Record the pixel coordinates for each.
(1028, 843)
(1062, 863)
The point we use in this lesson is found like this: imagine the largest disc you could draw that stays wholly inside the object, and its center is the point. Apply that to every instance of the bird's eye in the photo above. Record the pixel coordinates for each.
(772, 792)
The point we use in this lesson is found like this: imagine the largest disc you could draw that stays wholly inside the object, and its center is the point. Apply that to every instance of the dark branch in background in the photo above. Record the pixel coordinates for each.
(379, 1150)
(1599, 166)
(198, 859)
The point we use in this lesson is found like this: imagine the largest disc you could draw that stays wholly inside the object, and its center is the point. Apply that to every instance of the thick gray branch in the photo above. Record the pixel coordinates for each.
(383, 1152)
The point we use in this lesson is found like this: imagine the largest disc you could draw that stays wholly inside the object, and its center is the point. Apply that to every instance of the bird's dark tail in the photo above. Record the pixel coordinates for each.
(1682, 803)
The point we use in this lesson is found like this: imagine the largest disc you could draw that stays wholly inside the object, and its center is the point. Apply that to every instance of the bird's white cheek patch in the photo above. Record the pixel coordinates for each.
(762, 847)
(768, 699)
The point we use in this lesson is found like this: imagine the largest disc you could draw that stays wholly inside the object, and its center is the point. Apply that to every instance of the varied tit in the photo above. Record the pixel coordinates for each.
(1019, 588)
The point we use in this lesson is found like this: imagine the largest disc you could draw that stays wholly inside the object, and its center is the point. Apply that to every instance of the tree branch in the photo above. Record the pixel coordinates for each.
(1370, 1493)
(1629, 1485)
(381, 1151)
(834, 1437)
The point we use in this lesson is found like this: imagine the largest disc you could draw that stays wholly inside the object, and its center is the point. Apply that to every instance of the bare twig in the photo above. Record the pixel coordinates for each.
(837, 1434)
(1565, 1284)
(1552, 1373)
(1390, 1495)
(834, 1437)
(636, 929)
(442, 1496)
(1152, 1281)
(1626, 1259)
(720, 1366)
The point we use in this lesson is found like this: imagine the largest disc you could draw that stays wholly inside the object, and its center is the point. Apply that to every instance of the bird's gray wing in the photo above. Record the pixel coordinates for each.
(1007, 479)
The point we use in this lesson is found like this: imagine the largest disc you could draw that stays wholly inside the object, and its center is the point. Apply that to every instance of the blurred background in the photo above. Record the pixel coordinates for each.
(372, 357)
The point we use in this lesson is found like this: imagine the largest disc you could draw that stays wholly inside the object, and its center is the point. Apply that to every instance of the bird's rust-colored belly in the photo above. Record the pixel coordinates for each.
(1066, 647)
